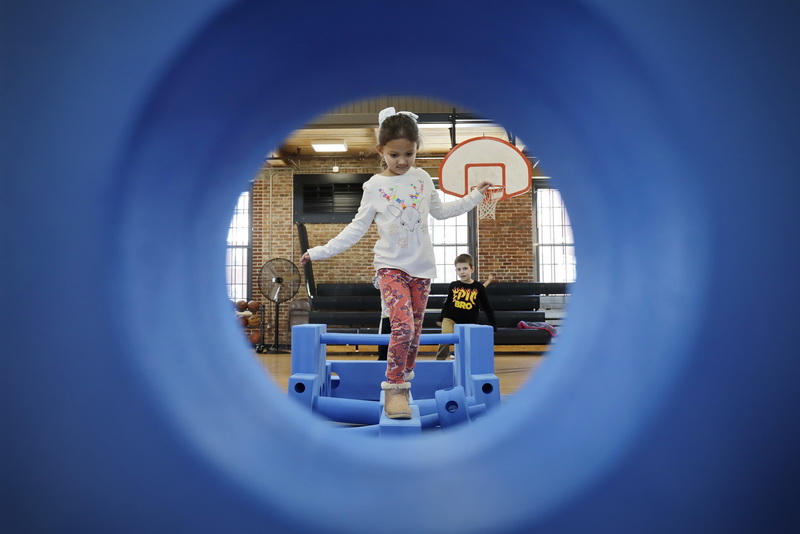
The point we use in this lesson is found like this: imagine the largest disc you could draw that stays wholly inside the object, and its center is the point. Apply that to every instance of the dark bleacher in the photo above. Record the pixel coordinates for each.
(356, 307)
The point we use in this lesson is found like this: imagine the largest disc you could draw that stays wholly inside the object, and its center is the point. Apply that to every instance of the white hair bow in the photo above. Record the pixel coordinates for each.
(389, 112)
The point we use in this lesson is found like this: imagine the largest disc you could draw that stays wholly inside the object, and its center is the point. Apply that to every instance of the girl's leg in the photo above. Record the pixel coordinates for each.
(406, 298)
(397, 296)
(420, 288)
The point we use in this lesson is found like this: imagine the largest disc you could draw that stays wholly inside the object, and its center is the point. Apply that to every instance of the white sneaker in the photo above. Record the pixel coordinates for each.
(452, 356)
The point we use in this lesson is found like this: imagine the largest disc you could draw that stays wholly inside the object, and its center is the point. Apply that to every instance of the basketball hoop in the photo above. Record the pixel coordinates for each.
(487, 206)
(486, 159)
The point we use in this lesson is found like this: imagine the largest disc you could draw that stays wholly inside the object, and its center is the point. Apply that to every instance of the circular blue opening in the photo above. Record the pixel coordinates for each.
(228, 100)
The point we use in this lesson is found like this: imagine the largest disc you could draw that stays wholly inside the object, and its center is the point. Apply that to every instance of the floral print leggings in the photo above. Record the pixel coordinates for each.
(406, 298)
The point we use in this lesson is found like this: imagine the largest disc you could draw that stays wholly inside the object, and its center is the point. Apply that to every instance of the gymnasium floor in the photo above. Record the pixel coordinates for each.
(514, 364)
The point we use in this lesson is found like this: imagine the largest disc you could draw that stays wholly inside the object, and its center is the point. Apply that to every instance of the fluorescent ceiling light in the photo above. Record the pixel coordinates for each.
(329, 147)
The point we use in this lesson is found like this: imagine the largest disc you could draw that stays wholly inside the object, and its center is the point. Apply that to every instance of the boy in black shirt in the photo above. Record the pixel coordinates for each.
(465, 297)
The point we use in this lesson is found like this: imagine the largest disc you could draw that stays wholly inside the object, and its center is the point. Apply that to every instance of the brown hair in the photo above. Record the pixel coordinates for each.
(464, 258)
(399, 126)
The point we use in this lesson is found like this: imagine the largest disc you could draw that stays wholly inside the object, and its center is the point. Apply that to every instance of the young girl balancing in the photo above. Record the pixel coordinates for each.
(399, 200)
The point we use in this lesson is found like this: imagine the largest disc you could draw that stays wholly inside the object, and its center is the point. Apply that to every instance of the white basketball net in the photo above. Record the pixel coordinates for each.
(489, 202)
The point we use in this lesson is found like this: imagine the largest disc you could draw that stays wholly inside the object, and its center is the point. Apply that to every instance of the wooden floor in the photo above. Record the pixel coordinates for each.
(514, 364)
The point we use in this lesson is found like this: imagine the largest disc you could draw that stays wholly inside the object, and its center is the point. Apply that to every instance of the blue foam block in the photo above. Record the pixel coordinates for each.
(400, 427)
(452, 407)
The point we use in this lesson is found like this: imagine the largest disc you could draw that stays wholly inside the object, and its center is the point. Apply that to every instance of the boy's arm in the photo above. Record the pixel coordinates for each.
(488, 281)
(447, 301)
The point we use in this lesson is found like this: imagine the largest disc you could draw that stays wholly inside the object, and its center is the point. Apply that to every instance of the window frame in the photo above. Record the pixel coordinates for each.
(547, 272)
(243, 251)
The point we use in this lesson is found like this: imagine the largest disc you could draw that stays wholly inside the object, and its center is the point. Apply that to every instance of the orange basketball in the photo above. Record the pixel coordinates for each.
(254, 320)
(241, 305)
(243, 321)
(253, 306)
(255, 337)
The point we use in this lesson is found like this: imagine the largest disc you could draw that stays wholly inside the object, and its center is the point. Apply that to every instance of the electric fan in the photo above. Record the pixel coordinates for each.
(278, 281)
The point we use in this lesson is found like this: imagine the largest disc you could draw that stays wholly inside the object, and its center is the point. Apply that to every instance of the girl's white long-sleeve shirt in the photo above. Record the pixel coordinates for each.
(399, 205)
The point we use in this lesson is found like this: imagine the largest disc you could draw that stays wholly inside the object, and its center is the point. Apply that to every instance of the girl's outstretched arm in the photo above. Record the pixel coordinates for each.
(444, 210)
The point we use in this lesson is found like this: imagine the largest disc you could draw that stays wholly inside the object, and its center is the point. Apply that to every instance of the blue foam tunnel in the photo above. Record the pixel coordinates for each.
(669, 404)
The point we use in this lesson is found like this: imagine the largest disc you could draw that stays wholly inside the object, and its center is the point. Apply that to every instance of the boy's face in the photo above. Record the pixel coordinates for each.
(464, 271)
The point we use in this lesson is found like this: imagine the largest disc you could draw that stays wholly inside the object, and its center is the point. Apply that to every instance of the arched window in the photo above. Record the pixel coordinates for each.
(238, 260)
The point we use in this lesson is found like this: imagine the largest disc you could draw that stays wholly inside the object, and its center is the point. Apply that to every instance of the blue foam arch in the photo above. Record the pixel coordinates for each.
(123, 123)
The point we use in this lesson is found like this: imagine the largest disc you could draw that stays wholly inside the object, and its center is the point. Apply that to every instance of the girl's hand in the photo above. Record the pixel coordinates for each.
(483, 186)
(305, 258)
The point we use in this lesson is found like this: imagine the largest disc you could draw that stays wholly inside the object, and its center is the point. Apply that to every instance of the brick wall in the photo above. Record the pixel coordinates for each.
(505, 244)
(272, 223)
